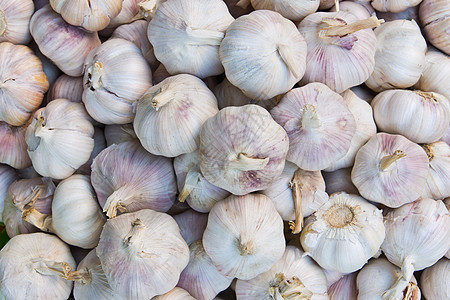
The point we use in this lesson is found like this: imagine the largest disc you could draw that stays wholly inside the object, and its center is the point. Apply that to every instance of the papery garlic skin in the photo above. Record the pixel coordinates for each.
(31, 267)
(344, 288)
(140, 259)
(294, 275)
(394, 5)
(23, 83)
(355, 8)
(66, 87)
(99, 145)
(244, 236)
(390, 169)
(15, 18)
(186, 36)
(66, 45)
(192, 225)
(292, 10)
(395, 68)
(436, 73)
(110, 70)
(93, 15)
(344, 233)
(128, 14)
(13, 146)
(263, 54)
(176, 293)
(7, 176)
(434, 280)
(434, 18)
(438, 181)
(248, 154)
(170, 114)
(59, 138)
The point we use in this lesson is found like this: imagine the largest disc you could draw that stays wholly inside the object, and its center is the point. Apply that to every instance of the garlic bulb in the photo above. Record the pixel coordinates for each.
(176, 293)
(186, 36)
(292, 10)
(319, 125)
(434, 19)
(200, 277)
(128, 14)
(66, 45)
(66, 87)
(99, 145)
(116, 134)
(263, 54)
(92, 15)
(7, 176)
(344, 233)
(344, 288)
(438, 181)
(339, 181)
(435, 76)
(33, 265)
(244, 236)
(248, 153)
(294, 276)
(147, 8)
(409, 113)
(192, 225)
(434, 280)
(15, 18)
(110, 70)
(142, 253)
(390, 169)
(169, 115)
(127, 178)
(13, 147)
(394, 5)
(50, 69)
(194, 188)
(23, 83)
(357, 9)
(326, 4)
(59, 138)
(365, 129)
(332, 35)
(394, 68)
(378, 276)
(417, 236)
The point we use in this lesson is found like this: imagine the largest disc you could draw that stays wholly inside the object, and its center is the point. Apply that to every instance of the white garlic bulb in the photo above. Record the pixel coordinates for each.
(15, 18)
(344, 233)
(294, 276)
(248, 153)
(127, 178)
(339, 181)
(99, 145)
(394, 5)
(435, 280)
(358, 9)
(13, 147)
(319, 125)
(417, 236)
(433, 16)
(128, 14)
(7, 176)
(244, 236)
(186, 36)
(332, 35)
(50, 69)
(110, 70)
(378, 276)
(344, 288)
(422, 117)
(142, 253)
(66, 87)
(390, 169)
(192, 225)
(292, 10)
(169, 115)
(394, 68)
(176, 293)
(116, 134)
(263, 54)
(33, 265)
(59, 138)
(438, 181)
(435, 76)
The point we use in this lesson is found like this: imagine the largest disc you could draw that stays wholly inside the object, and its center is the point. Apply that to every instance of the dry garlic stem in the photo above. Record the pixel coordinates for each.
(288, 288)
(296, 186)
(388, 160)
(336, 28)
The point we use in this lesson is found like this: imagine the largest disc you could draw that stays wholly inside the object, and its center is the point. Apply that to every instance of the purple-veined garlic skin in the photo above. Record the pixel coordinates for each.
(394, 6)
(170, 114)
(422, 117)
(66, 45)
(176, 293)
(110, 70)
(400, 56)
(319, 125)
(332, 276)
(331, 35)
(390, 169)
(263, 54)
(435, 76)
(142, 253)
(192, 225)
(294, 275)
(244, 236)
(248, 153)
(417, 236)
(23, 83)
(66, 87)
(33, 265)
(200, 277)
(199, 193)
(186, 36)
(292, 10)
(355, 8)
(378, 276)
(435, 280)
(116, 134)
(15, 18)
(7, 176)
(433, 16)
(438, 181)
(127, 178)
(411, 13)
(339, 181)
(128, 13)
(344, 288)
(365, 129)
(344, 233)
(13, 147)
(99, 145)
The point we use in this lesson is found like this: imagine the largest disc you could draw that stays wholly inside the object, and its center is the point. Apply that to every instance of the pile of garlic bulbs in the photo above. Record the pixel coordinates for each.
(225, 149)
